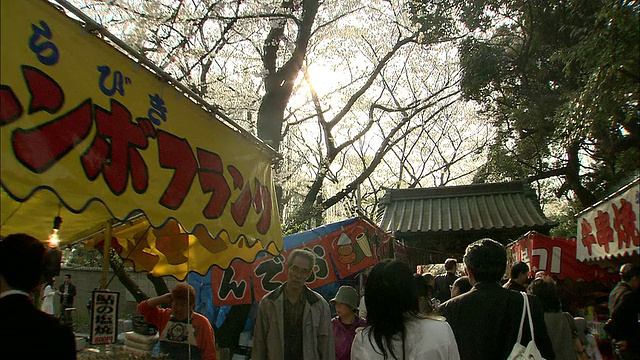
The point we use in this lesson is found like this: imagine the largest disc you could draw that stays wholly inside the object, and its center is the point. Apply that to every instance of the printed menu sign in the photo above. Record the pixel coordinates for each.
(104, 317)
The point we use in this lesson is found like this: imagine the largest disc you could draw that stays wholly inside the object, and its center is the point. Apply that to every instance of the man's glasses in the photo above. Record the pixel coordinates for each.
(298, 270)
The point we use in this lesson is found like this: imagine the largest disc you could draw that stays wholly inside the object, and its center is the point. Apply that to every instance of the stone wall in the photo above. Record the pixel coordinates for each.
(88, 279)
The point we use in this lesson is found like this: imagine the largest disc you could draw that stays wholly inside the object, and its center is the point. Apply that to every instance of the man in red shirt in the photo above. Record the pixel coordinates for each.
(183, 332)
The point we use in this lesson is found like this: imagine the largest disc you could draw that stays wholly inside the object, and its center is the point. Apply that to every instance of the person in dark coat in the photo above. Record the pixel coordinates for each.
(460, 286)
(25, 331)
(486, 320)
(624, 314)
(518, 277)
(67, 294)
(444, 282)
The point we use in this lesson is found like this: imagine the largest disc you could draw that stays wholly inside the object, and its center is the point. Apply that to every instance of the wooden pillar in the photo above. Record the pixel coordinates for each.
(106, 253)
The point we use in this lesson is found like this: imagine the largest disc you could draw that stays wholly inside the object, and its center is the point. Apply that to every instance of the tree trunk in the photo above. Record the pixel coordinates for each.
(159, 284)
(117, 265)
(572, 177)
(279, 82)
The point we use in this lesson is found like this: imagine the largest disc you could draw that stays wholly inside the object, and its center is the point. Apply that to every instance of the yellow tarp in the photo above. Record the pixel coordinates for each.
(90, 134)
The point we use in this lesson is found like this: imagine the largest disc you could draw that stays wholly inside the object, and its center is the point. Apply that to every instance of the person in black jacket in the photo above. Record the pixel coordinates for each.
(486, 320)
(25, 331)
(518, 277)
(444, 282)
(67, 294)
(624, 314)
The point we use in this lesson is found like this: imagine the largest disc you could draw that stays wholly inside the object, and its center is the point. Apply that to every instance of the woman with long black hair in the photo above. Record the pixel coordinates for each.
(397, 329)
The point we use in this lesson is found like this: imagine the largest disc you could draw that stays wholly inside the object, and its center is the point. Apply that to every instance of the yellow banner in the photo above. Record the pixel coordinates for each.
(93, 135)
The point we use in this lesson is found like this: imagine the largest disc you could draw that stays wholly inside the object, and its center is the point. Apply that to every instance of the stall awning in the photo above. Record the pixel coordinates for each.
(609, 229)
(92, 136)
(343, 249)
(556, 256)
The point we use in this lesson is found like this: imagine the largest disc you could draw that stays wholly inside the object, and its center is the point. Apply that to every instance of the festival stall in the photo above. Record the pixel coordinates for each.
(583, 287)
(344, 250)
(608, 237)
(99, 141)
(556, 257)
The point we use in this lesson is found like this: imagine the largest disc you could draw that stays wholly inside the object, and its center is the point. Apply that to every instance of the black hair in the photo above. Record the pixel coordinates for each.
(22, 261)
(390, 295)
(450, 264)
(547, 292)
(486, 259)
(422, 287)
(463, 284)
(429, 278)
(519, 268)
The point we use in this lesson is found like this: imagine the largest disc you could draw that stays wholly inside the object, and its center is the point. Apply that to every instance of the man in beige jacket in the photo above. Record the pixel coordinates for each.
(293, 321)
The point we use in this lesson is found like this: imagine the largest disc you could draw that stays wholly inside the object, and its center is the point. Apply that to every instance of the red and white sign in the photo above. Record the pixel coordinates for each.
(555, 256)
(609, 229)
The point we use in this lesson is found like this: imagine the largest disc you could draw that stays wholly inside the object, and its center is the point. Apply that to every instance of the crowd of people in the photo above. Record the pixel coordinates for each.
(408, 316)
(402, 315)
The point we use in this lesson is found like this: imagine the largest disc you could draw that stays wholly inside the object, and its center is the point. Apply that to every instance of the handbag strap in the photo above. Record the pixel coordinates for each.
(526, 304)
(524, 311)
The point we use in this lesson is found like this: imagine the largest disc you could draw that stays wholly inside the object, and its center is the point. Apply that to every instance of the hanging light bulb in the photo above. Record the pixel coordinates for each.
(54, 241)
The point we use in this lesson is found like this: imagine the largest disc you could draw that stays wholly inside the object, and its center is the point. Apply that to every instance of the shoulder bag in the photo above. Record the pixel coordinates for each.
(519, 351)
(578, 347)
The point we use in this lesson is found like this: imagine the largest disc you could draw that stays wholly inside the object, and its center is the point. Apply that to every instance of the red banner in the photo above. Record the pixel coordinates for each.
(556, 256)
(341, 253)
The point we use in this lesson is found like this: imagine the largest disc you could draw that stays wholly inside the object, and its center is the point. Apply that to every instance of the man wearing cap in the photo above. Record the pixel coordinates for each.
(293, 321)
(347, 321)
(624, 310)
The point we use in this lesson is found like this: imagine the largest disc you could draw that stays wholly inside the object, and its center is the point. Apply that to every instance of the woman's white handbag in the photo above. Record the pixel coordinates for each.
(519, 351)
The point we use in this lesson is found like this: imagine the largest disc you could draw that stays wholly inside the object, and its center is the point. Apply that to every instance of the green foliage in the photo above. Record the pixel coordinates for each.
(565, 216)
(561, 82)
(78, 256)
(294, 229)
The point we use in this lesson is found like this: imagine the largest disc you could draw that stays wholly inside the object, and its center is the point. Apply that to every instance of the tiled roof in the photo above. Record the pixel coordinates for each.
(510, 205)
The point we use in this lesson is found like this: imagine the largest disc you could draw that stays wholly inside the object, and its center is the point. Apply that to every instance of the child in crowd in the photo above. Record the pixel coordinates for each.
(347, 321)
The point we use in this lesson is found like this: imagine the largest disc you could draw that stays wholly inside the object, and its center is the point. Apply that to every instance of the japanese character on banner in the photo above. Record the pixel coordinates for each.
(157, 111)
(604, 232)
(624, 221)
(587, 237)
